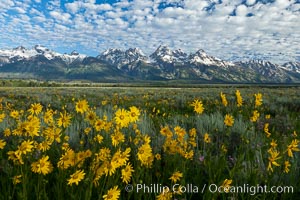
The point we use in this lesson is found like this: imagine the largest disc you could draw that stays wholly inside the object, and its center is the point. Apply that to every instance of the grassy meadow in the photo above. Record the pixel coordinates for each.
(206, 142)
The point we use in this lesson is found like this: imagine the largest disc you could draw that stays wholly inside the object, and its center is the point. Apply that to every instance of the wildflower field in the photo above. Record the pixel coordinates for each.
(222, 142)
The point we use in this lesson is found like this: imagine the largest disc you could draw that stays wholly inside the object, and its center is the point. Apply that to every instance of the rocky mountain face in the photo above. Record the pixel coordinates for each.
(132, 64)
(292, 67)
(125, 60)
(22, 54)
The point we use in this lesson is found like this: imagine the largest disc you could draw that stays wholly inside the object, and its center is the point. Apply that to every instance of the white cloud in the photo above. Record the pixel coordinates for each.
(104, 7)
(34, 11)
(53, 4)
(250, 2)
(195, 5)
(19, 10)
(73, 7)
(39, 19)
(241, 10)
(282, 3)
(6, 4)
(61, 17)
(272, 28)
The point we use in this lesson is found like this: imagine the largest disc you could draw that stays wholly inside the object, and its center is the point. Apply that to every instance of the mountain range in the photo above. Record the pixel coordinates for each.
(116, 65)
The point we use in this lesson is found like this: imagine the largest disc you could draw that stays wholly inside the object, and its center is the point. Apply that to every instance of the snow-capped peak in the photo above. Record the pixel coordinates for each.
(120, 58)
(201, 57)
(165, 54)
(40, 49)
(163, 50)
(19, 48)
(111, 51)
(21, 53)
(135, 51)
(74, 53)
(17, 53)
(292, 66)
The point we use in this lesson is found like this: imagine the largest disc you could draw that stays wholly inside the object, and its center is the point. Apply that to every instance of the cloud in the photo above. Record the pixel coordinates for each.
(19, 10)
(250, 2)
(61, 17)
(241, 10)
(6, 4)
(229, 29)
(73, 7)
(53, 4)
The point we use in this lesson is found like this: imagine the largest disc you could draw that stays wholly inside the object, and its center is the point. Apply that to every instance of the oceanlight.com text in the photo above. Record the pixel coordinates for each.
(250, 189)
(212, 188)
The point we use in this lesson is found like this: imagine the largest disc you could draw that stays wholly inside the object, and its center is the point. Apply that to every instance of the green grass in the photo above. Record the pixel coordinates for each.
(239, 153)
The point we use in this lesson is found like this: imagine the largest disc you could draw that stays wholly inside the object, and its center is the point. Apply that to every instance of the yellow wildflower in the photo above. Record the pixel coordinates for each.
(87, 130)
(295, 134)
(273, 144)
(198, 106)
(117, 137)
(99, 124)
(239, 98)
(287, 164)
(176, 176)
(98, 138)
(7, 132)
(266, 129)
(228, 121)
(224, 148)
(2, 144)
(15, 157)
(165, 131)
(158, 156)
(144, 153)
(134, 114)
(165, 195)
(226, 185)
(258, 99)
(14, 114)
(17, 179)
(189, 155)
(127, 173)
(48, 116)
(25, 147)
(76, 177)
(103, 155)
(223, 98)
(255, 116)
(42, 166)
(2, 116)
(274, 156)
(35, 108)
(91, 116)
(67, 159)
(112, 194)
(104, 102)
(122, 117)
(207, 139)
(293, 147)
(81, 106)
(64, 120)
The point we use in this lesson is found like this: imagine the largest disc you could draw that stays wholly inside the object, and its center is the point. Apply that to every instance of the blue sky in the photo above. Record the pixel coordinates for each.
(228, 29)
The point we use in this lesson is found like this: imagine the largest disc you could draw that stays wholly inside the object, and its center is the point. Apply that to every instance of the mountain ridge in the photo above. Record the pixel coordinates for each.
(132, 64)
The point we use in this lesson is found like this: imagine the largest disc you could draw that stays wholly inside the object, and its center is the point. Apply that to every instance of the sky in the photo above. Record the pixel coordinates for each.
(228, 29)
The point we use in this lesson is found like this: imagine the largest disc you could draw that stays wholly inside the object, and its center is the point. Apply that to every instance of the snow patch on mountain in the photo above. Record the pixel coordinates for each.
(21, 53)
(292, 66)
(164, 54)
(120, 58)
